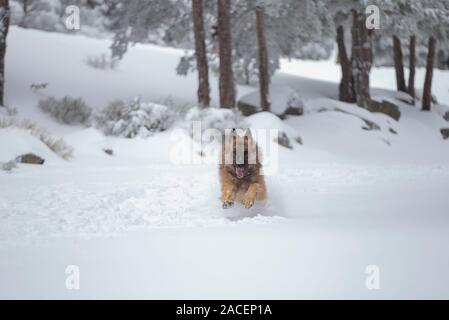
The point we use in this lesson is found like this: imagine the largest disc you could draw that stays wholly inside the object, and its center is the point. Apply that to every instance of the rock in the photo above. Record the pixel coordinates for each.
(109, 152)
(30, 158)
(293, 111)
(445, 133)
(247, 109)
(392, 131)
(385, 107)
(298, 140)
(283, 140)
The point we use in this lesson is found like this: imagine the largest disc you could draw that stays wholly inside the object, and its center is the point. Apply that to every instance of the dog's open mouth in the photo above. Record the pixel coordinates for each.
(240, 172)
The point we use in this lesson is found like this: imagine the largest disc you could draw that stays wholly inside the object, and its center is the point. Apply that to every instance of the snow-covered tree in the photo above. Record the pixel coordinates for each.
(4, 26)
(146, 21)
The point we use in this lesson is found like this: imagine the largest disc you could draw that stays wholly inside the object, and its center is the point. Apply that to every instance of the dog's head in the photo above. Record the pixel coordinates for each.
(241, 155)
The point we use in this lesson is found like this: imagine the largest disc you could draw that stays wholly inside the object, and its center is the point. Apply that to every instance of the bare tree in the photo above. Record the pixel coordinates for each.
(4, 26)
(427, 92)
(412, 66)
(264, 77)
(226, 79)
(201, 53)
(346, 88)
(399, 64)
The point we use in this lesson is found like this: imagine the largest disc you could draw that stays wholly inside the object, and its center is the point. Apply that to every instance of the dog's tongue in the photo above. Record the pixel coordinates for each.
(239, 172)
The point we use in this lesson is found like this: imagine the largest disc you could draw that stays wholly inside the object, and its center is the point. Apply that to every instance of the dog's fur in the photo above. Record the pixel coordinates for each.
(241, 180)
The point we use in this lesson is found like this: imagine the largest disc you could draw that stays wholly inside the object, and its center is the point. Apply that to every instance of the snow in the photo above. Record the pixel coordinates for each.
(139, 225)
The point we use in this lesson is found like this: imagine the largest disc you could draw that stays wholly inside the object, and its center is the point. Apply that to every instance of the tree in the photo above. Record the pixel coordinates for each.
(399, 64)
(264, 77)
(144, 21)
(354, 84)
(412, 67)
(226, 77)
(427, 92)
(4, 26)
(361, 59)
(201, 53)
(346, 87)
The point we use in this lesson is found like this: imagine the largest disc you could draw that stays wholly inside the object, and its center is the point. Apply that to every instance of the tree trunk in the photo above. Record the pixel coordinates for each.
(412, 67)
(346, 88)
(361, 59)
(226, 79)
(427, 92)
(201, 54)
(399, 64)
(4, 25)
(264, 77)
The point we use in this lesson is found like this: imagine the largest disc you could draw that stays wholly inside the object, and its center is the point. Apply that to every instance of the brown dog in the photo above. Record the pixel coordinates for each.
(240, 171)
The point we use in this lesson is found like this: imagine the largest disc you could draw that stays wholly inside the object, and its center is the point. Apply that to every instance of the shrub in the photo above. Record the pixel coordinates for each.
(67, 110)
(134, 118)
(102, 62)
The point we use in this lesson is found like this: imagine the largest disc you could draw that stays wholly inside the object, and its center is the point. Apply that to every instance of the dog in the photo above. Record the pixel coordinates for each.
(241, 171)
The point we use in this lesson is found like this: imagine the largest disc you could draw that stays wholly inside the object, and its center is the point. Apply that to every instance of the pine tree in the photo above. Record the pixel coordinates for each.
(201, 53)
(346, 87)
(4, 26)
(399, 64)
(264, 77)
(354, 84)
(226, 77)
(412, 66)
(362, 59)
(427, 92)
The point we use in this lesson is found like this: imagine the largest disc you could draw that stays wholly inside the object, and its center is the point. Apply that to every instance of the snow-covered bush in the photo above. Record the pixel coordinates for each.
(43, 15)
(214, 118)
(57, 145)
(102, 62)
(67, 110)
(295, 104)
(134, 118)
(8, 166)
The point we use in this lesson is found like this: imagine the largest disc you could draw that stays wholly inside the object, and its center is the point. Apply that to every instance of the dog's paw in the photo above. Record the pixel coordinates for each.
(228, 204)
(248, 203)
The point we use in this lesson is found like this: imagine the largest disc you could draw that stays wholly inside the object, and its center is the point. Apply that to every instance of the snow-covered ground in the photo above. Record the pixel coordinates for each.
(139, 226)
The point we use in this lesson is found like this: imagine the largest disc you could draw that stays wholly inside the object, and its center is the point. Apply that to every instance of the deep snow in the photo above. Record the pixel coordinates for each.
(139, 226)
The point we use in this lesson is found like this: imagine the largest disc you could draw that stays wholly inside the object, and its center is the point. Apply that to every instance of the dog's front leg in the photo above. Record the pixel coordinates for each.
(250, 195)
(228, 190)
